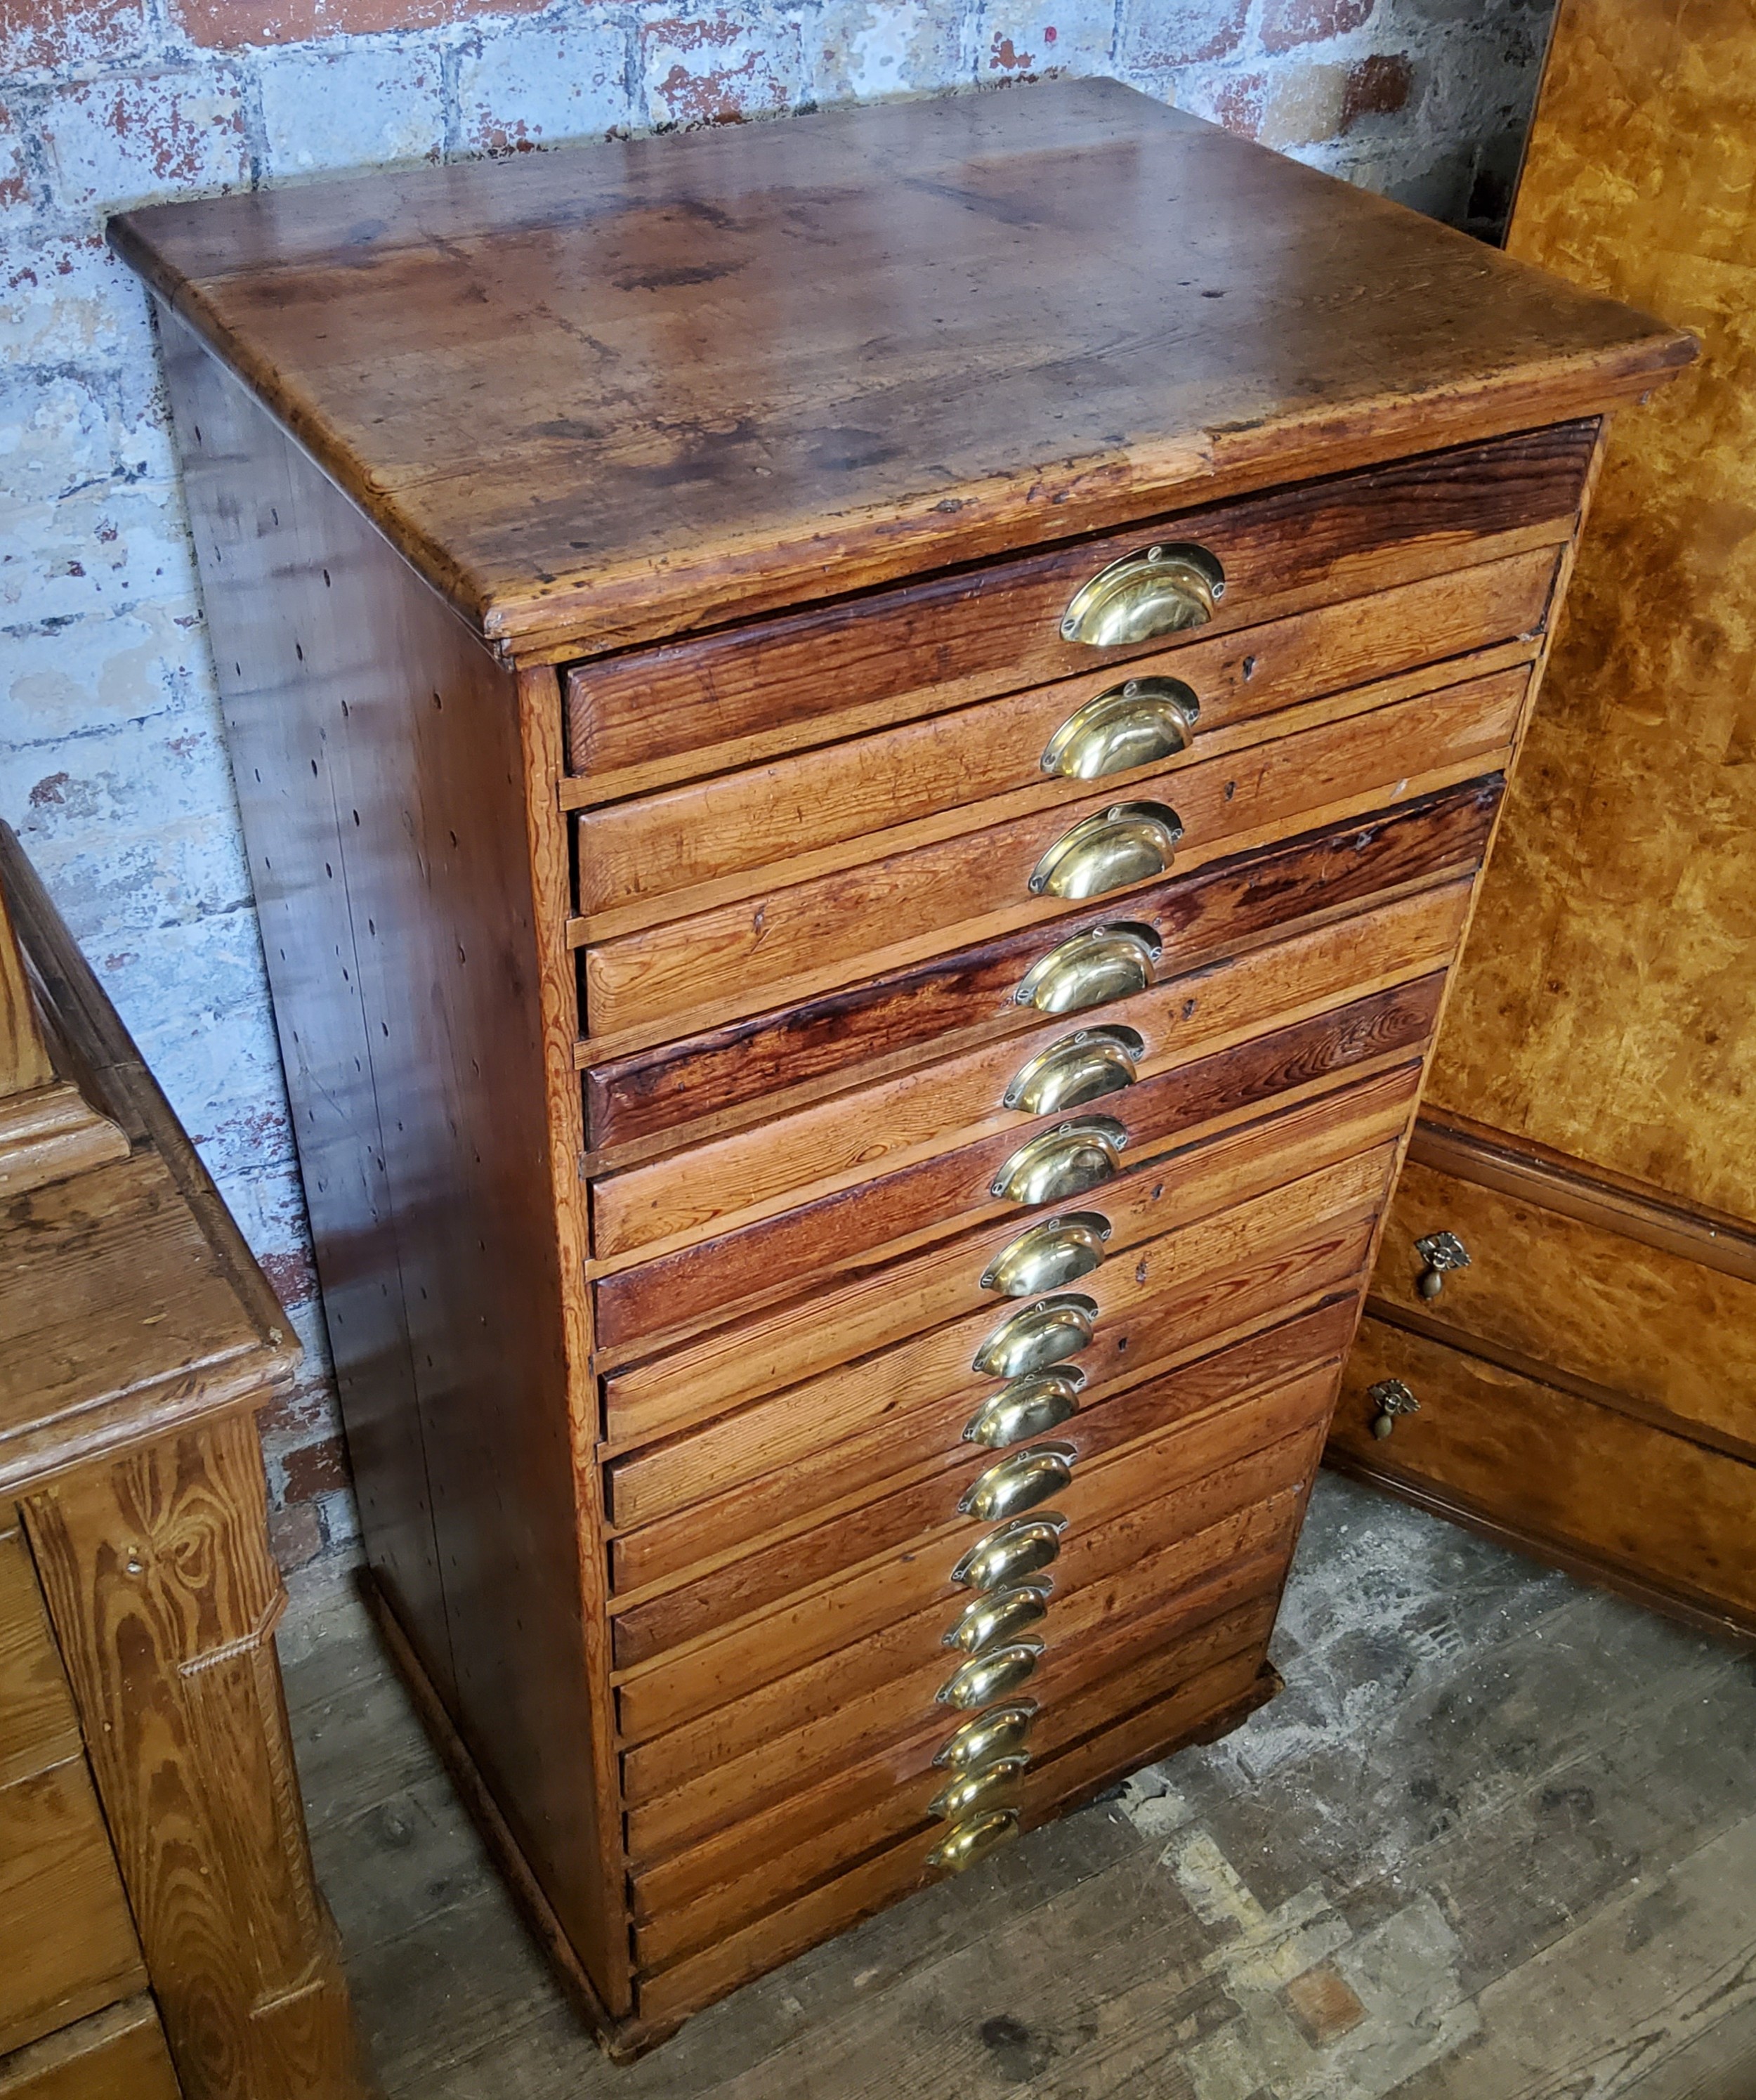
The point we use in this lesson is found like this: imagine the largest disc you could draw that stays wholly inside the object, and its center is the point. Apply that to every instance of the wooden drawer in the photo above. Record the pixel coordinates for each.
(825, 1347)
(808, 934)
(1213, 1700)
(702, 706)
(710, 838)
(837, 1142)
(935, 1196)
(1110, 1630)
(654, 1099)
(116, 2054)
(1544, 1291)
(1294, 1244)
(66, 1941)
(1583, 1479)
(1218, 1420)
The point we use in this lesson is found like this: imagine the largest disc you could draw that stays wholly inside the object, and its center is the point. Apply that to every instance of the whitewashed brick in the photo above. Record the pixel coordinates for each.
(103, 548)
(69, 300)
(57, 683)
(707, 68)
(858, 48)
(132, 140)
(533, 82)
(370, 105)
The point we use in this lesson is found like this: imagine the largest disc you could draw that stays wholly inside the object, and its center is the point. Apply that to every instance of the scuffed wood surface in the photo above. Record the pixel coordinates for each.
(1606, 1004)
(738, 374)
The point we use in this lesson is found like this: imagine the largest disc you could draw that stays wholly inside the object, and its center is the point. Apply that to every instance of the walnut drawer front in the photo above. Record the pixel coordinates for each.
(67, 1940)
(653, 1100)
(705, 842)
(1544, 1291)
(821, 1345)
(1551, 1465)
(1082, 1061)
(1297, 1242)
(705, 705)
(810, 934)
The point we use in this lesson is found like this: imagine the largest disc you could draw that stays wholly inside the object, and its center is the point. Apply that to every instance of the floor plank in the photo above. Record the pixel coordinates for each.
(1495, 1841)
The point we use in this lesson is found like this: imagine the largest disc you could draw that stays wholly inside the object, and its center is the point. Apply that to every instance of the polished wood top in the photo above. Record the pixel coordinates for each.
(607, 394)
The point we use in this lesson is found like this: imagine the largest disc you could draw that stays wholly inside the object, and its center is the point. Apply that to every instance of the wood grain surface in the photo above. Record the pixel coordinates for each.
(1013, 345)
(115, 2054)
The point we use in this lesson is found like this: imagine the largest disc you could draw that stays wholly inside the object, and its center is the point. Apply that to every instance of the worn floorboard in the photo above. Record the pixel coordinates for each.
(1497, 1840)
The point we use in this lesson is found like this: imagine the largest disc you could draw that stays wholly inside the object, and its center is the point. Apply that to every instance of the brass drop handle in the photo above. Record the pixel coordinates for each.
(999, 1616)
(1016, 1550)
(972, 1793)
(986, 1678)
(1443, 1253)
(1058, 1250)
(1130, 724)
(1156, 590)
(965, 1844)
(1127, 843)
(1029, 1406)
(998, 1733)
(1103, 964)
(1065, 1161)
(1038, 1335)
(1391, 1398)
(1079, 1068)
(1018, 1482)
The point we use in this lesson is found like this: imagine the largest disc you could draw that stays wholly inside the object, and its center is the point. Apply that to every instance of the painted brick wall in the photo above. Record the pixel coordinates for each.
(111, 763)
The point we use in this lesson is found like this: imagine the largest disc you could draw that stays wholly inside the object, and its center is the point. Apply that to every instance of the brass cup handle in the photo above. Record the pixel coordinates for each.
(974, 1792)
(1103, 964)
(1037, 1336)
(1029, 1406)
(1129, 726)
(985, 1678)
(998, 1733)
(1128, 842)
(1153, 591)
(1065, 1161)
(1018, 1481)
(998, 1615)
(965, 1844)
(1057, 1251)
(1023, 1547)
(1079, 1068)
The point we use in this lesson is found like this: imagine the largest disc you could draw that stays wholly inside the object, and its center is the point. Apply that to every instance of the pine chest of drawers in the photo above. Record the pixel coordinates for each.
(865, 744)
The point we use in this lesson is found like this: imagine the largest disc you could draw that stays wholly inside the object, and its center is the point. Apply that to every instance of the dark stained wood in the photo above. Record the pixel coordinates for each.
(794, 1246)
(729, 698)
(115, 2054)
(393, 880)
(1013, 345)
(923, 1012)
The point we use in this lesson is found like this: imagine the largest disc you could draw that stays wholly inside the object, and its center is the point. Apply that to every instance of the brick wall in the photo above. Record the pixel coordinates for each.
(111, 763)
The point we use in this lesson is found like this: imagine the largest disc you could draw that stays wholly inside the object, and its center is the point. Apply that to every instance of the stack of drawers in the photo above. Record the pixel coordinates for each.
(864, 745)
(992, 1088)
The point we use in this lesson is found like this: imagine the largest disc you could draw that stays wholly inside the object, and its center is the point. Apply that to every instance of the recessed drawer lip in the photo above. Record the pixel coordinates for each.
(685, 709)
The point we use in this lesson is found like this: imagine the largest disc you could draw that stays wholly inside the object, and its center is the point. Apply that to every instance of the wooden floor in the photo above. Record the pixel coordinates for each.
(1497, 1840)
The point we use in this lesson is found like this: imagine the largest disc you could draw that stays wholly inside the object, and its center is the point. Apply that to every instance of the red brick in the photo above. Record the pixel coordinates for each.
(1237, 103)
(1377, 86)
(314, 1470)
(291, 1277)
(1287, 24)
(41, 33)
(224, 24)
(1177, 33)
(295, 1537)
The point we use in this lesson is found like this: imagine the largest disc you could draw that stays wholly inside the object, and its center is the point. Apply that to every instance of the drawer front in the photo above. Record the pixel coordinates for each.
(845, 1708)
(1563, 1471)
(822, 1356)
(1298, 1242)
(789, 1846)
(969, 1184)
(700, 707)
(1089, 1060)
(1227, 692)
(116, 2054)
(753, 1069)
(1545, 1289)
(812, 933)
(38, 1727)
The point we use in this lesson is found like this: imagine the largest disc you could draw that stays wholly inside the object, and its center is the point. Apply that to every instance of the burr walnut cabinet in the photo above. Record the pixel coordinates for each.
(1584, 1385)
(864, 744)
(162, 1937)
